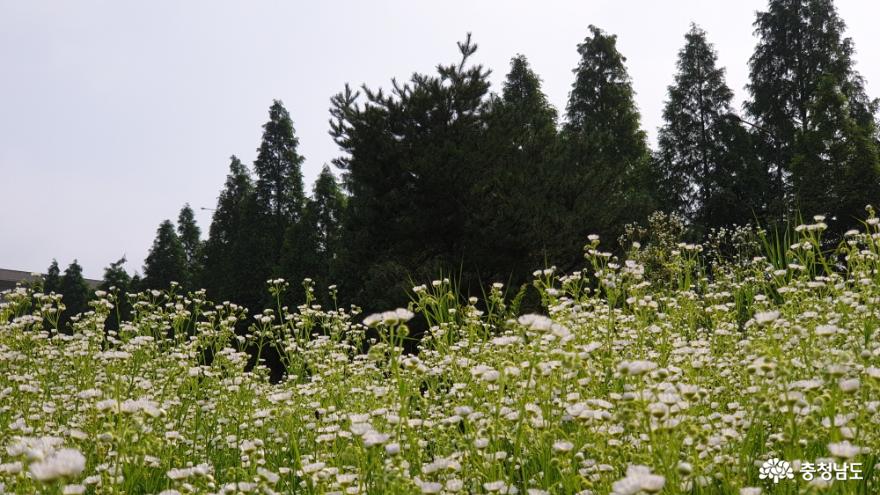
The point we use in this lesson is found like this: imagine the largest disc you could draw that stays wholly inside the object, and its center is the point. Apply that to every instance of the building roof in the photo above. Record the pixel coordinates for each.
(9, 278)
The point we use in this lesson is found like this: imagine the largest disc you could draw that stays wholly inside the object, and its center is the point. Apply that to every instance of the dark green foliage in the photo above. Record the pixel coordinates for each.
(74, 292)
(808, 104)
(443, 177)
(52, 279)
(511, 230)
(605, 160)
(226, 261)
(118, 282)
(137, 283)
(411, 156)
(274, 209)
(166, 261)
(254, 219)
(279, 186)
(835, 167)
(115, 277)
(311, 246)
(190, 238)
(709, 173)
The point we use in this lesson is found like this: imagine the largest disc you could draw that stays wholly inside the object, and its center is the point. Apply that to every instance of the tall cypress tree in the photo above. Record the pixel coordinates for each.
(279, 187)
(709, 172)
(190, 238)
(605, 159)
(807, 99)
(276, 205)
(52, 280)
(117, 280)
(74, 292)
(226, 261)
(326, 210)
(312, 246)
(166, 261)
(512, 229)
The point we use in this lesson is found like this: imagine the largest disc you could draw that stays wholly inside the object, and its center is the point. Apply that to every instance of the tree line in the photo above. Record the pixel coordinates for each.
(441, 176)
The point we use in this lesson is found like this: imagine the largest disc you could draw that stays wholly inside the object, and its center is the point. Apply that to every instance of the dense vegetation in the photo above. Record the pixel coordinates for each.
(643, 374)
(440, 176)
(691, 349)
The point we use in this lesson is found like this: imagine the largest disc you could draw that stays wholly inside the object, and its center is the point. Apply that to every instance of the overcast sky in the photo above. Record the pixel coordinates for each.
(113, 114)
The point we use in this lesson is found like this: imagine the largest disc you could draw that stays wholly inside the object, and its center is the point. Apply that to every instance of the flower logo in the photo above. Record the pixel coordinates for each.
(775, 469)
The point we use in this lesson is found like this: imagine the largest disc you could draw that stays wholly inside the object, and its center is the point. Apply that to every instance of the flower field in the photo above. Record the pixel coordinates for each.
(673, 370)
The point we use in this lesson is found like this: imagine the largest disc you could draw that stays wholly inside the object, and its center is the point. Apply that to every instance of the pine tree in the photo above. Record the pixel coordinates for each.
(807, 99)
(605, 157)
(190, 238)
(166, 261)
(709, 173)
(52, 280)
(410, 157)
(74, 292)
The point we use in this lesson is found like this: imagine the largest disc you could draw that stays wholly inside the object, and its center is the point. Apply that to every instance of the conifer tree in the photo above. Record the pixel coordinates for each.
(137, 283)
(276, 205)
(512, 229)
(808, 103)
(410, 156)
(226, 261)
(166, 261)
(709, 172)
(190, 238)
(835, 167)
(279, 186)
(117, 281)
(605, 157)
(74, 292)
(52, 280)
(311, 247)
(116, 277)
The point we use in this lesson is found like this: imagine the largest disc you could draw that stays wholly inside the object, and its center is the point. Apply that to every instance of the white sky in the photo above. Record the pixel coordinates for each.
(113, 113)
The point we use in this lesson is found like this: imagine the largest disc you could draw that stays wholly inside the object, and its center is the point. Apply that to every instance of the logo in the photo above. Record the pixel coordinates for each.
(775, 469)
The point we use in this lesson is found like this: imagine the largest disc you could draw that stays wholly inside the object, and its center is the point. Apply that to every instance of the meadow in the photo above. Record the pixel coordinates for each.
(747, 364)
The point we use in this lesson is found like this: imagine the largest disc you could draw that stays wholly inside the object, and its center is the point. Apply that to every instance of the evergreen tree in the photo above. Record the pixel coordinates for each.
(311, 247)
(137, 283)
(276, 205)
(709, 173)
(230, 268)
(52, 280)
(115, 277)
(409, 158)
(117, 281)
(166, 261)
(279, 187)
(74, 292)
(835, 168)
(190, 238)
(808, 102)
(512, 229)
(606, 162)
